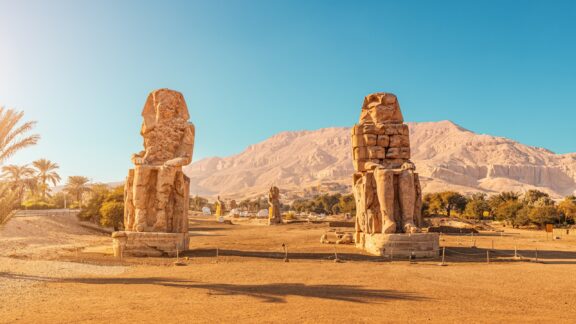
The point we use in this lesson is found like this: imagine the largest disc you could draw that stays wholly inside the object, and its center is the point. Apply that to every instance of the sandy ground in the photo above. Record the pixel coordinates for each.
(51, 280)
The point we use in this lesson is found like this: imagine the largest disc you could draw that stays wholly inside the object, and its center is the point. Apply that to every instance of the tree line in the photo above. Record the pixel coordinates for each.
(533, 207)
(28, 186)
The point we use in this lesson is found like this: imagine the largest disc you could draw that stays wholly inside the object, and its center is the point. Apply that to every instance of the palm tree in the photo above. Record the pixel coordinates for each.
(46, 173)
(76, 186)
(7, 201)
(12, 135)
(18, 178)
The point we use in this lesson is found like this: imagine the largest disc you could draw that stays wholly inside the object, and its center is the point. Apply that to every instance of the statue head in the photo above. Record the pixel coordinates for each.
(274, 191)
(381, 107)
(163, 105)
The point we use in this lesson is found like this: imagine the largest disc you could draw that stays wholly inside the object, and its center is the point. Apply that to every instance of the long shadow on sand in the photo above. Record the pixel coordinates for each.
(468, 254)
(269, 293)
(453, 255)
(210, 253)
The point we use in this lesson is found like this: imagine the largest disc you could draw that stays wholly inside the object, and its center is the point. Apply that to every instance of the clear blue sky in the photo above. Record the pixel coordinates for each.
(250, 69)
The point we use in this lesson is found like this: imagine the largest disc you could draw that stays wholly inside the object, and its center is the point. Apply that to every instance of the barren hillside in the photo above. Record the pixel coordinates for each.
(446, 155)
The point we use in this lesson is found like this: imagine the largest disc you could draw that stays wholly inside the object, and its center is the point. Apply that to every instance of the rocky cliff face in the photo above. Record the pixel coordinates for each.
(447, 156)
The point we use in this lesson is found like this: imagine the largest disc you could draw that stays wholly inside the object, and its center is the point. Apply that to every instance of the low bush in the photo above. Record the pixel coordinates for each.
(37, 205)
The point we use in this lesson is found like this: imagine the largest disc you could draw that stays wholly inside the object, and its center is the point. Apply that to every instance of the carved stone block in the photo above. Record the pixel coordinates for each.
(399, 141)
(376, 152)
(383, 140)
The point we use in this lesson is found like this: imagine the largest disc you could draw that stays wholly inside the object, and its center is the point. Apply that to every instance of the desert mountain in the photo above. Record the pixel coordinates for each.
(447, 156)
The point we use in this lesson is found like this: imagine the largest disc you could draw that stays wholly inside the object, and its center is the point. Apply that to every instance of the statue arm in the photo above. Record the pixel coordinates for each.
(138, 158)
(372, 165)
(184, 153)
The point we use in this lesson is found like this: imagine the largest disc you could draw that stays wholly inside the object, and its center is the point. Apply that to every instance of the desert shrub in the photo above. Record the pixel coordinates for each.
(112, 213)
(91, 211)
(289, 215)
(99, 196)
(59, 200)
(37, 204)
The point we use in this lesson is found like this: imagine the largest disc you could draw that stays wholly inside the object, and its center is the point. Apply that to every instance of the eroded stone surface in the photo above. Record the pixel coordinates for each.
(149, 244)
(386, 187)
(157, 191)
(418, 245)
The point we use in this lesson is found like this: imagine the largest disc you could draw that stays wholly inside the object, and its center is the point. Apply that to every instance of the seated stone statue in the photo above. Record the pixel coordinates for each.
(220, 208)
(386, 187)
(274, 215)
(157, 190)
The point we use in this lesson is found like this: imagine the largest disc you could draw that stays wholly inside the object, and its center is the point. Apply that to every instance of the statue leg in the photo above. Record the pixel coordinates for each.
(164, 187)
(418, 205)
(140, 196)
(407, 196)
(129, 202)
(360, 199)
(385, 193)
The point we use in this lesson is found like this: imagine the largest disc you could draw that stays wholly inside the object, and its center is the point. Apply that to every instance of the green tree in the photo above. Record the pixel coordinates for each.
(112, 214)
(522, 217)
(433, 203)
(196, 203)
(8, 201)
(17, 178)
(91, 211)
(476, 206)
(544, 215)
(532, 196)
(60, 200)
(46, 173)
(13, 134)
(495, 201)
(508, 211)
(452, 200)
(76, 187)
(567, 208)
(347, 204)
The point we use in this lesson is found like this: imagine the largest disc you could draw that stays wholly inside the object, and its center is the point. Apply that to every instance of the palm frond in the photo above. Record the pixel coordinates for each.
(12, 136)
(12, 148)
(8, 120)
(26, 127)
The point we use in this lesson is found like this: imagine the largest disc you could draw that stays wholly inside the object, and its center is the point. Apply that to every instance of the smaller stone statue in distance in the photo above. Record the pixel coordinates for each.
(274, 215)
(220, 208)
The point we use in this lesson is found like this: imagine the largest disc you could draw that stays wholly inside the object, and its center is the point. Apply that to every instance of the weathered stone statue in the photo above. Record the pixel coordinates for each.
(156, 190)
(274, 215)
(385, 184)
(220, 208)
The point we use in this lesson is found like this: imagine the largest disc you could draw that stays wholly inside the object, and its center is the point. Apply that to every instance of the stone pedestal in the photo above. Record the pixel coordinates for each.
(419, 245)
(149, 244)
